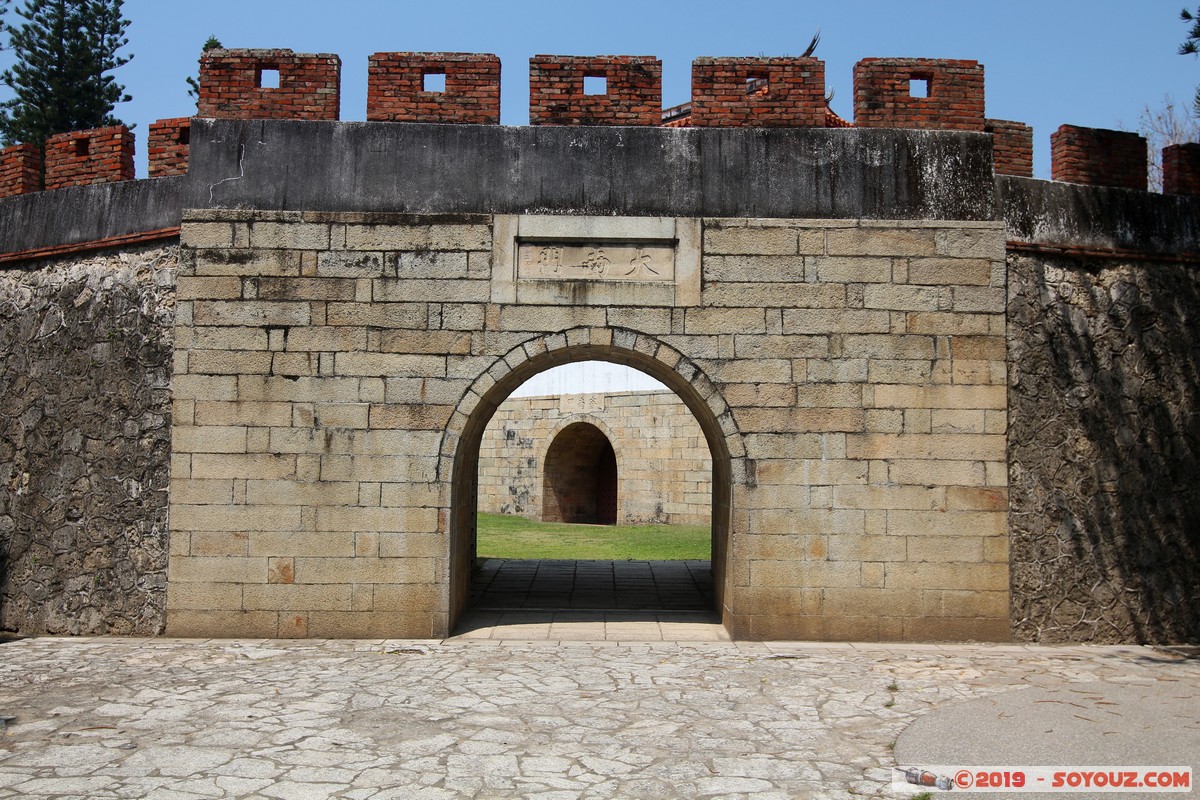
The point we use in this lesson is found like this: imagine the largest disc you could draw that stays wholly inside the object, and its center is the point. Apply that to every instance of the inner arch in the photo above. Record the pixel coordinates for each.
(579, 477)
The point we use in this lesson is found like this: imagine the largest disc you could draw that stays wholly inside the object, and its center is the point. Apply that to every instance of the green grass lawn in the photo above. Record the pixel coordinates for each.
(503, 536)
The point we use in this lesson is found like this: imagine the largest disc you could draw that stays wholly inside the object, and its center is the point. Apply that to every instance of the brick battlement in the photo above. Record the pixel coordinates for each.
(1099, 157)
(397, 90)
(628, 91)
(926, 93)
(81, 158)
(1012, 147)
(1181, 169)
(20, 170)
(269, 84)
(758, 92)
(464, 89)
(169, 143)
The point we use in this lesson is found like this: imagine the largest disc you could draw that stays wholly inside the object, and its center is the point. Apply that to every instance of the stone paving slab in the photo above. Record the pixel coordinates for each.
(493, 718)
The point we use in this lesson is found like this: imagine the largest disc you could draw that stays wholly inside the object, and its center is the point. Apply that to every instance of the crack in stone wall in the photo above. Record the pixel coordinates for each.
(1104, 451)
(85, 440)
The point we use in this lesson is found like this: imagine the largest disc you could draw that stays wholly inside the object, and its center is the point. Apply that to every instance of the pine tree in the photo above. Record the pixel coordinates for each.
(65, 50)
(3, 27)
(211, 43)
(1191, 46)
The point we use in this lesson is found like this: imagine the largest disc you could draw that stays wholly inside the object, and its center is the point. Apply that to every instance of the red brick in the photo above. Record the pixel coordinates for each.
(633, 97)
(758, 92)
(169, 142)
(1098, 157)
(396, 91)
(20, 170)
(883, 96)
(1181, 169)
(81, 158)
(230, 85)
(1012, 147)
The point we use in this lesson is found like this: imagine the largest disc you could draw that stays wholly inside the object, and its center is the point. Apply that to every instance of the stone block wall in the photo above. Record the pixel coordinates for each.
(81, 158)
(1181, 169)
(1104, 450)
(85, 445)
(335, 372)
(632, 93)
(169, 142)
(20, 170)
(664, 471)
(396, 88)
(939, 94)
(238, 83)
(1012, 147)
(758, 92)
(1098, 157)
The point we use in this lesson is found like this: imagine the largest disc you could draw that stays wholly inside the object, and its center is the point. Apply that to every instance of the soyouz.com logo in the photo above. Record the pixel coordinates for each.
(1042, 779)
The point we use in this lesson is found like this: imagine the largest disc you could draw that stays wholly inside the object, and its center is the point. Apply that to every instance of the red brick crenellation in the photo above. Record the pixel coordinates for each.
(232, 85)
(1181, 169)
(1098, 157)
(20, 170)
(1012, 147)
(884, 97)
(396, 88)
(758, 92)
(633, 93)
(81, 158)
(168, 145)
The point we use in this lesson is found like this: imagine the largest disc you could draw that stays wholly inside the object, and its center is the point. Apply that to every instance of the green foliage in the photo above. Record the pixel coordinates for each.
(503, 536)
(1191, 46)
(3, 26)
(211, 43)
(65, 50)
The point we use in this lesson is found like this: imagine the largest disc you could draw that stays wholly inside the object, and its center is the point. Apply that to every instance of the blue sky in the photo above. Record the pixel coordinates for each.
(1048, 62)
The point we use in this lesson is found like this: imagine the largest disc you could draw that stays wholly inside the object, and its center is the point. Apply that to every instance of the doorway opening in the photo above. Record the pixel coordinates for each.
(605, 508)
(579, 477)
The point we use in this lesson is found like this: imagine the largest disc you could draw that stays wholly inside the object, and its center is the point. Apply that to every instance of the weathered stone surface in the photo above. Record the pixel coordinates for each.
(85, 439)
(616, 713)
(1104, 451)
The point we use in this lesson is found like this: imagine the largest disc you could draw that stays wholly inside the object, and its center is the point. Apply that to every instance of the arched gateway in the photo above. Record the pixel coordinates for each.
(460, 454)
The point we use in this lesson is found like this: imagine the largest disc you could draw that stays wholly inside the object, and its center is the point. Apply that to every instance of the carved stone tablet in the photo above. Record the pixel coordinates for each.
(595, 261)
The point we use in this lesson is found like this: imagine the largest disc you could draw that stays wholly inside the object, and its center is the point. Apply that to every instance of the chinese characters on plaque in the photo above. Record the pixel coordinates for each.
(581, 261)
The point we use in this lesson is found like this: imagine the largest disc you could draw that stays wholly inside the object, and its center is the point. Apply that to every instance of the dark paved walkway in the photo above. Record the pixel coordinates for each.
(506, 584)
(615, 601)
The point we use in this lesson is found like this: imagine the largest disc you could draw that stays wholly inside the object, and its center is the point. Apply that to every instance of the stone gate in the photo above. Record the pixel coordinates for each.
(335, 368)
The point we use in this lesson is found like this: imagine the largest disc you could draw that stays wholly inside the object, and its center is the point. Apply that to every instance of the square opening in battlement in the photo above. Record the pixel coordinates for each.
(83, 147)
(184, 136)
(267, 77)
(920, 86)
(757, 83)
(595, 84)
(433, 82)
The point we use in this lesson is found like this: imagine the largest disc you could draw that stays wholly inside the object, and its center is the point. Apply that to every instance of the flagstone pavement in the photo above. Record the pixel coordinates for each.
(495, 716)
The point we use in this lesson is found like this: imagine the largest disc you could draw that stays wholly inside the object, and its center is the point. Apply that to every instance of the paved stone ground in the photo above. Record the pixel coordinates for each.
(374, 720)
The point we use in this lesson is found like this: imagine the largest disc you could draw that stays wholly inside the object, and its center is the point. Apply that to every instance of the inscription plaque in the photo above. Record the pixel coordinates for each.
(595, 261)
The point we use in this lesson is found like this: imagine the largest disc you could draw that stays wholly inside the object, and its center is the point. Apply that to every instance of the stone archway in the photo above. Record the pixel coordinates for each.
(459, 457)
(579, 477)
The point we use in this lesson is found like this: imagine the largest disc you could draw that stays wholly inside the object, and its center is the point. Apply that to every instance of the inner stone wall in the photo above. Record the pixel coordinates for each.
(664, 472)
(1104, 450)
(85, 443)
